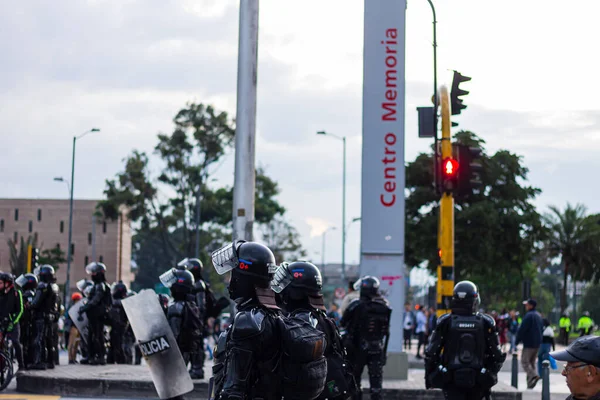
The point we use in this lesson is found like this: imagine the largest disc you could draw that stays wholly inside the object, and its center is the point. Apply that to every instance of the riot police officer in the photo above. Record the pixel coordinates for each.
(203, 296)
(44, 305)
(247, 352)
(97, 309)
(118, 323)
(299, 285)
(464, 357)
(28, 284)
(367, 322)
(183, 315)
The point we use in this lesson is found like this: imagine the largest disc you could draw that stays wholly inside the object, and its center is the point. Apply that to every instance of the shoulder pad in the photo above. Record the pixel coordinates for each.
(491, 322)
(200, 286)
(248, 323)
(116, 302)
(382, 301)
(55, 288)
(353, 304)
(42, 285)
(444, 319)
(308, 317)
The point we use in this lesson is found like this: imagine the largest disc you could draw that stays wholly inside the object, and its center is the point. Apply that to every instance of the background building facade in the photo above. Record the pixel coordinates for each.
(94, 239)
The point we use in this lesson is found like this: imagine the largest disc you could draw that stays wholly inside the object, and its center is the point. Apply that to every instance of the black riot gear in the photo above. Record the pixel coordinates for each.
(367, 322)
(97, 270)
(464, 357)
(465, 297)
(27, 282)
(97, 309)
(193, 265)
(45, 273)
(180, 281)
(297, 283)
(46, 311)
(245, 358)
(118, 322)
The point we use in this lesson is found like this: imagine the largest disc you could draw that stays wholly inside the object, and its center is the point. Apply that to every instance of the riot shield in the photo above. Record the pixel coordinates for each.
(157, 343)
(81, 323)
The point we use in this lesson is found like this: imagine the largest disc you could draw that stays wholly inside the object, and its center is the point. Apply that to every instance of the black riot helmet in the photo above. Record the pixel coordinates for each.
(193, 265)
(465, 297)
(251, 259)
(45, 273)
(85, 286)
(180, 281)
(368, 286)
(299, 281)
(97, 270)
(27, 282)
(7, 277)
(119, 290)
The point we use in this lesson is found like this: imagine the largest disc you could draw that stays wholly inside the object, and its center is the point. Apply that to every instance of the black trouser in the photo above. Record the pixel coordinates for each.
(197, 360)
(407, 337)
(422, 342)
(454, 393)
(374, 361)
(138, 355)
(15, 337)
(96, 348)
(116, 344)
(37, 343)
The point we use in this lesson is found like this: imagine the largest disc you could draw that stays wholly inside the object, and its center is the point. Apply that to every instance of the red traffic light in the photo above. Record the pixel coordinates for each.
(450, 167)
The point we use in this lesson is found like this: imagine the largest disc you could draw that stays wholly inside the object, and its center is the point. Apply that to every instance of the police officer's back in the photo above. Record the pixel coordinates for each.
(118, 323)
(300, 284)
(247, 352)
(582, 370)
(44, 305)
(367, 321)
(97, 309)
(28, 284)
(464, 356)
(183, 314)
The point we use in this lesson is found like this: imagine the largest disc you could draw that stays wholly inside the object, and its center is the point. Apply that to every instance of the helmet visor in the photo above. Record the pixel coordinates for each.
(21, 280)
(37, 269)
(81, 285)
(168, 278)
(357, 284)
(282, 278)
(183, 263)
(225, 259)
(89, 269)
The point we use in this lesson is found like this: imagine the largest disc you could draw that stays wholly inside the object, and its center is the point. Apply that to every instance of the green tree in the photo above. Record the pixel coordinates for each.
(164, 208)
(497, 229)
(54, 256)
(589, 302)
(283, 239)
(574, 236)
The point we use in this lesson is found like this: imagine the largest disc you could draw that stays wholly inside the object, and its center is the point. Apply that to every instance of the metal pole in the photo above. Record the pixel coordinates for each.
(344, 215)
(67, 289)
(197, 252)
(245, 174)
(435, 98)
(445, 272)
(93, 238)
(514, 381)
(546, 380)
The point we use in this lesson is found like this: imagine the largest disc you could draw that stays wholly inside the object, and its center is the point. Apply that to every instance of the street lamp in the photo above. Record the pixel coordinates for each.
(67, 289)
(61, 179)
(332, 228)
(343, 139)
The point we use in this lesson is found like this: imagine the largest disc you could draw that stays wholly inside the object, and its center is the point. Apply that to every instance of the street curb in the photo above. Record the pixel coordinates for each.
(112, 388)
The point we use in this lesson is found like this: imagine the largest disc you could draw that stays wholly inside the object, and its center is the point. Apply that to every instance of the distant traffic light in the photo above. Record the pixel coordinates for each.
(35, 258)
(469, 177)
(449, 174)
(456, 104)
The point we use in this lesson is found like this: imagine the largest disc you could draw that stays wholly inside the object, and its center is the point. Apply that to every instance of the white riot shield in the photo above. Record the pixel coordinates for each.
(157, 343)
(81, 323)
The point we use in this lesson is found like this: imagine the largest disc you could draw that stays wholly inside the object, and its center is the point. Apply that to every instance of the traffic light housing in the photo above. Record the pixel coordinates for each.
(470, 173)
(450, 172)
(456, 103)
(35, 258)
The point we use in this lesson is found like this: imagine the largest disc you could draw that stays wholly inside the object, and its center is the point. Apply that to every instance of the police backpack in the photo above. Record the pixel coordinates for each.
(303, 367)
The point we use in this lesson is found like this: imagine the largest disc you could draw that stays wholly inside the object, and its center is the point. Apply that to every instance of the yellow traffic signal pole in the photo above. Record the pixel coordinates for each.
(29, 252)
(445, 271)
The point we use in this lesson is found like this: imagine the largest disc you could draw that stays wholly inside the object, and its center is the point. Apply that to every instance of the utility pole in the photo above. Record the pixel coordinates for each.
(445, 270)
(245, 172)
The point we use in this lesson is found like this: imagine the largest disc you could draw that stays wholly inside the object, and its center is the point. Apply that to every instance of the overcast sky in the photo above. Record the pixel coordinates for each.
(128, 66)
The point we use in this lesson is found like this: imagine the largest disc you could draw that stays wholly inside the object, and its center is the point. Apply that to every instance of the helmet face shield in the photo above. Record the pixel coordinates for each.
(357, 284)
(21, 280)
(168, 278)
(183, 263)
(81, 285)
(282, 278)
(225, 259)
(89, 269)
(37, 269)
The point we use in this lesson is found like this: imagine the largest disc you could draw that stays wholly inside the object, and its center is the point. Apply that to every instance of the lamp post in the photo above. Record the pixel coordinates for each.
(435, 98)
(323, 250)
(61, 179)
(343, 139)
(67, 289)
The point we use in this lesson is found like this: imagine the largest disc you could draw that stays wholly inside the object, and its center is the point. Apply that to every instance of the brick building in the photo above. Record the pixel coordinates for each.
(111, 240)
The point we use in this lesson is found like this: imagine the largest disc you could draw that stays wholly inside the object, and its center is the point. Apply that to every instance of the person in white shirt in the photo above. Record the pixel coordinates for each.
(421, 331)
